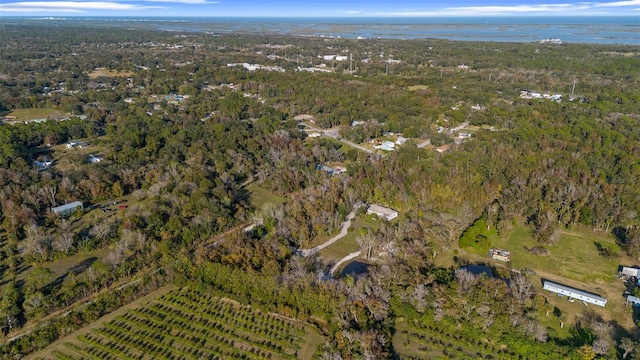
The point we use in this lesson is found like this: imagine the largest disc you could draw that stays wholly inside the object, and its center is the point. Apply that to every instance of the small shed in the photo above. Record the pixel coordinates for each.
(633, 300)
(67, 209)
(499, 254)
(626, 271)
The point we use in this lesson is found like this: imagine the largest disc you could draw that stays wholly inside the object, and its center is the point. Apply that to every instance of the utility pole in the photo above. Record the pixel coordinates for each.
(573, 87)
(490, 76)
(441, 72)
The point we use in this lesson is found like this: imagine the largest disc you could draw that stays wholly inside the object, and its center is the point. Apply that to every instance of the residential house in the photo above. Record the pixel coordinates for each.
(75, 144)
(383, 212)
(43, 165)
(386, 146)
(95, 159)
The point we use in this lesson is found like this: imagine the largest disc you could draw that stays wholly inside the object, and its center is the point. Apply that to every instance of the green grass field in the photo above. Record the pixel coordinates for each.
(187, 324)
(575, 260)
(348, 243)
(260, 196)
(33, 114)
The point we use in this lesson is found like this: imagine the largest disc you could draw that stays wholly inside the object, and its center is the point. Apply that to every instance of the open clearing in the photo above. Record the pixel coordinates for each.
(576, 260)
(98, 72)
(34, 114)
(260, 196)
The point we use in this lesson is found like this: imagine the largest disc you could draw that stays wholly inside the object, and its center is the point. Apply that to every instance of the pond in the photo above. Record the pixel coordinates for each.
(354, 268)
(479, 270)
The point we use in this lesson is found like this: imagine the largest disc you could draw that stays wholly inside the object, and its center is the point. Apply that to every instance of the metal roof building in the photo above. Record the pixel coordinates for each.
(634, 300)
(67, 209)
(382, 211)
(574, 293)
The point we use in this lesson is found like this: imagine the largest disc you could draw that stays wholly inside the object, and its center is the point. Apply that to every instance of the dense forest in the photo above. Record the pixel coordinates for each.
(184, 138)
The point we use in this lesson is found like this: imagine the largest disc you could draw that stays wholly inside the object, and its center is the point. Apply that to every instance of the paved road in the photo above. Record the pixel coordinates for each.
(344, 227)
(333, 133)
(344, 260)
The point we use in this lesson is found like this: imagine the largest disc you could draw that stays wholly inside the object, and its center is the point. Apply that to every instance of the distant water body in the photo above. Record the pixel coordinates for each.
(600, 30)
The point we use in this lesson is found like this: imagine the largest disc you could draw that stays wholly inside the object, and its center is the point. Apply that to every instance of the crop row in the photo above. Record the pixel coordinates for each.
(185, 324)
(269, 331)
(156, 318)
(197, 302)
(438, 337)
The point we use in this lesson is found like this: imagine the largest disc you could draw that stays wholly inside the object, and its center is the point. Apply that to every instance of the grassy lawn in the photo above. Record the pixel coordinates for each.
(348, 244)
(574, 261)
(417, 87)
(33, 114)
(98, 72)
(260, 196)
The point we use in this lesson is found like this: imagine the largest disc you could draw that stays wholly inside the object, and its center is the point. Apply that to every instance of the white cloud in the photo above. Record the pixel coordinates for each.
(618, 3)
(83, 6)
(68, 6)
(184, 1)
(4, 7)
(577, 8)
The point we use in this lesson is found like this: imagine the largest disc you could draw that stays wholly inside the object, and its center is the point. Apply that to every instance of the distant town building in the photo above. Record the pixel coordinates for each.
(43, 165)
(74, 144)
(574, 293)
(67, 209)
(253, 67)
(95, 159)
(386, 146)
(401, 140)
(381, 211)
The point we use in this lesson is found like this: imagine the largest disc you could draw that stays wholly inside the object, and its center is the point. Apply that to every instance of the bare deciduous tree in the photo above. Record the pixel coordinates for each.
(367, 244)
(521, 288)
(419, 293)
(465, 279)
(48, 194)
(538, 331)
(63, 242)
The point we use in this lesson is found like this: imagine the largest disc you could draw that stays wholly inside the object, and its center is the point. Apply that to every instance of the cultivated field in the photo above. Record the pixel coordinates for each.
(186, 324)
(416, 339)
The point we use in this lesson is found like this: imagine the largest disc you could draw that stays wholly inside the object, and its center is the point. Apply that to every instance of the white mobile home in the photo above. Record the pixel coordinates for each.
(574, 293)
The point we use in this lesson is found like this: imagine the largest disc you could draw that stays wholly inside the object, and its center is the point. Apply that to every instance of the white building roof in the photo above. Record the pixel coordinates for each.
(630, 271)
(385, 212)
(66, 207)
(574, 293)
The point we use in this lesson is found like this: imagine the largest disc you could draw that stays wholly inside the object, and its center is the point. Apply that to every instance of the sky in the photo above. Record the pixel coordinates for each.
(317, 8)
